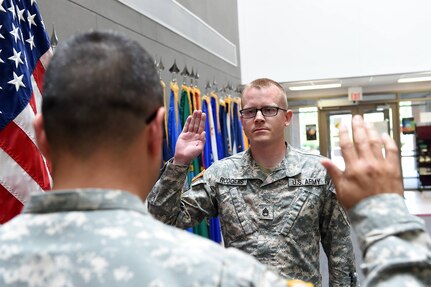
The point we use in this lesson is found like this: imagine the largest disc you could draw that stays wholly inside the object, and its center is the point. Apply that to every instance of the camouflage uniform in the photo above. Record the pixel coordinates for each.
(105, 238)
(396, 246)
(278, 218)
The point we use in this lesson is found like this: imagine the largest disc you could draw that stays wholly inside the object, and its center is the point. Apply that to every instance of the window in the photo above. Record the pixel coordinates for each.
(304, 120)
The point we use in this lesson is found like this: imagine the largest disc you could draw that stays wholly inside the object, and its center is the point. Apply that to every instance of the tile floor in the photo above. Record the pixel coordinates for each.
(419, 202)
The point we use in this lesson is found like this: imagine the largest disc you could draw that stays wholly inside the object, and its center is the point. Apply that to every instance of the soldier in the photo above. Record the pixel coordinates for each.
(101, 129)
(275, 202)
(395, 244)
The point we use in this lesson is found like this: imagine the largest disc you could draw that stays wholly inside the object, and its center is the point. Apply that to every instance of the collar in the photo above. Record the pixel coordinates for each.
(83, 200)
(290, 166)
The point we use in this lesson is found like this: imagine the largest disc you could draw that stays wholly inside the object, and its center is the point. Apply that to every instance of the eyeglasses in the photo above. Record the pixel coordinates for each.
(266, 112)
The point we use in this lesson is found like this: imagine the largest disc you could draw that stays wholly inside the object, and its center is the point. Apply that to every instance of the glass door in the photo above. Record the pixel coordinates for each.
(335, 120)
(330, 119)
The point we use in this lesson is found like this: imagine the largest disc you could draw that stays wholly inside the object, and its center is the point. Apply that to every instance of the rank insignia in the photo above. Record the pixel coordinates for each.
(266, 212)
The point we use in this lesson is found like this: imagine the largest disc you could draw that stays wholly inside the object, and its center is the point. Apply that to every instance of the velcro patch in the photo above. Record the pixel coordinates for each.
(232, 181)
(266, 212)
(306, 181)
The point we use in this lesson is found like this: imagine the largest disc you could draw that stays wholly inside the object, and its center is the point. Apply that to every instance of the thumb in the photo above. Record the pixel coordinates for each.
(204, 137)
(334, 172)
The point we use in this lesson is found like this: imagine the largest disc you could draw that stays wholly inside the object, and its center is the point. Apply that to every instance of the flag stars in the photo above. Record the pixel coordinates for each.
(1, 35)
(25, 60)
(16, 58)
(32, 2)
(31, 42)
(17, 81)
(15, 33)
(1, 60)
(30, 19)
(1, 6)
(20, 14)
(12, 10)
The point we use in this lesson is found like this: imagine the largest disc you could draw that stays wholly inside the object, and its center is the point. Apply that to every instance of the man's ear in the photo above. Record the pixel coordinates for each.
(42, 141)
(155, 133)
(288, 117)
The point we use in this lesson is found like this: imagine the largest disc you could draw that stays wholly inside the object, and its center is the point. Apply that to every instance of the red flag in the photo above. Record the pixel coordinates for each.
(24, 54)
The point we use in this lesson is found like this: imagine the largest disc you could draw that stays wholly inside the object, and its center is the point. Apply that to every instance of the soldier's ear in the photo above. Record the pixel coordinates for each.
(155, 133)
(288, 117)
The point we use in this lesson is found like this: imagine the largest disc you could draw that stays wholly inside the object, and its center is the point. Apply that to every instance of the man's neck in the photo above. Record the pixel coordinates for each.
(99, 172)
(268, 156)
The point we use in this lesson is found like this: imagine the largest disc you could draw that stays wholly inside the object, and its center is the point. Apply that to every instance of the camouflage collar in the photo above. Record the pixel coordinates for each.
(83, 199)
(290, 166)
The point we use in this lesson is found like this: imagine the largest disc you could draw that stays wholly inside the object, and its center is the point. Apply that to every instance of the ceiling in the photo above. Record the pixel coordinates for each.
(370, 84)
(306, 40)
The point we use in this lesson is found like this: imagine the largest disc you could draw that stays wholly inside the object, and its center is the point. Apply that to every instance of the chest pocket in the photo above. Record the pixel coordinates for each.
(295, 208)
(236, 221)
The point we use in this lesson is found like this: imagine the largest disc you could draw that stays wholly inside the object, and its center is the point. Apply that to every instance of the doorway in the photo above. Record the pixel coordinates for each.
(383, 116)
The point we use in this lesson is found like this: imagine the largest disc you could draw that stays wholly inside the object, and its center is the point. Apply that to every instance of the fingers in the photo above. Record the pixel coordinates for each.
(195, 123)
(393, 165)
(391, 150)
(186, 127)
(194, 117)
(334, 172)
(203, 136)
(360, 138)
(347, 148)
(201, 124)
(367, 172)
(375, 141)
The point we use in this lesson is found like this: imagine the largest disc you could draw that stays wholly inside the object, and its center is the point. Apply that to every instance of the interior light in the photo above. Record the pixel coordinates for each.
(414, 79)
(315, 87)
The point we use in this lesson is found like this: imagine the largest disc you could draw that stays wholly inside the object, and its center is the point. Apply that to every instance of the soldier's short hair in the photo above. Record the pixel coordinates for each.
(264, 83)
(100, 88)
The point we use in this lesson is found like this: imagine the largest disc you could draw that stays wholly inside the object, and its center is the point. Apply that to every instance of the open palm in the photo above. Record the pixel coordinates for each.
(191, 141)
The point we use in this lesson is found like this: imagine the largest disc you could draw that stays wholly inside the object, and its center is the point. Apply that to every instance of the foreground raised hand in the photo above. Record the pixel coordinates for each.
(191, 141)
(367, 171)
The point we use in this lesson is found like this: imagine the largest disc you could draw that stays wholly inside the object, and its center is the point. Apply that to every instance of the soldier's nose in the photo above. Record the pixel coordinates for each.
(259, 115)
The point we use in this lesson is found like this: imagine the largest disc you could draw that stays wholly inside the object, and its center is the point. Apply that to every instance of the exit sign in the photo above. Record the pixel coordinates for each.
(355, 94)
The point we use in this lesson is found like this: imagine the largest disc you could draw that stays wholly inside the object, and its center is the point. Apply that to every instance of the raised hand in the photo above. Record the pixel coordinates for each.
(367, 171)
(191, 141)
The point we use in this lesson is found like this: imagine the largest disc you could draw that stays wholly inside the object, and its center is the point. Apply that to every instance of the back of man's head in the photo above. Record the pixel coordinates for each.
(100, 89)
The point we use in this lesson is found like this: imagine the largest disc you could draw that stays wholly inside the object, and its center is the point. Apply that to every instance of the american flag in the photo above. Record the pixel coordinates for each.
(24, 54)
